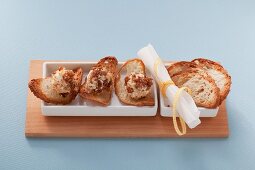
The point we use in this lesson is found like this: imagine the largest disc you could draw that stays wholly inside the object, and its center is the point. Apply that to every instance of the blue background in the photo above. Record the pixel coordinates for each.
(88, 30)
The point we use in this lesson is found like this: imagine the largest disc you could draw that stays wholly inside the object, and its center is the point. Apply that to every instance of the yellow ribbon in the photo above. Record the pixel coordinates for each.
(163, 86)
(176, 99)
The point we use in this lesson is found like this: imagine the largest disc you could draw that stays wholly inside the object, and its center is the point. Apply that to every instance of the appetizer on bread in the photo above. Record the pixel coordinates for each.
(99, 83)
(135, 87)
(208, 80)
(60, 88)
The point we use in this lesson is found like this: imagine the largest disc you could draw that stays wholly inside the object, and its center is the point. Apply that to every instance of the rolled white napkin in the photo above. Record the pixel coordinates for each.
(186, 106)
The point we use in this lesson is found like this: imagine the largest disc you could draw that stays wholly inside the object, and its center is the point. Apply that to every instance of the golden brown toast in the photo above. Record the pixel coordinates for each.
(203, 88)
(182, 66)
(135, 65)
(202, 71)
(50, 90)
(101, 96)
(218, 73)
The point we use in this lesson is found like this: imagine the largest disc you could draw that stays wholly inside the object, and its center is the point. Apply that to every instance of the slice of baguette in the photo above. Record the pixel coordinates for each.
(218, 73)
(104, 97)
(183, 66)
(204, 90)
(43, 88)
(137, 66)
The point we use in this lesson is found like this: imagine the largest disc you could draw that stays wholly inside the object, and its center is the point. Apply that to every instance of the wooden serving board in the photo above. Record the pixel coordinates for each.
(38, 125)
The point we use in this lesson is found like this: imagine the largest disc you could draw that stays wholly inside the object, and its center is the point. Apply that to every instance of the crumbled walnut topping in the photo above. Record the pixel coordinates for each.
(137, 85)
(98, 79)
(62, 80)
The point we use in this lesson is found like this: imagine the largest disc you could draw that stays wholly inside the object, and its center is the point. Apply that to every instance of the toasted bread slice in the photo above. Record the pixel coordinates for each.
(183, 66)
(44, 89)
(131, 66)
(218, 73)
(102, 97)
(204, 90)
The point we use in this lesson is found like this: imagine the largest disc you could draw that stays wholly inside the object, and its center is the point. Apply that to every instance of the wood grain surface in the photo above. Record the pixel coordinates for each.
(38, 125)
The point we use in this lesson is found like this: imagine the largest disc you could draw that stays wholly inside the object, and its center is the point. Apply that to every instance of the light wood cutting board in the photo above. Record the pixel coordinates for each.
(113, 127)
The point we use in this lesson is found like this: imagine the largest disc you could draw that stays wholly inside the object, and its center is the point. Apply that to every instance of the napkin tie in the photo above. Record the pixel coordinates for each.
(163, 87)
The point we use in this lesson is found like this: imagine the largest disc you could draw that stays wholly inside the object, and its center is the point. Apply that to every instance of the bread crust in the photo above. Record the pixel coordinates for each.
(206, 62)
(104, 97)
(216, 66)
(191, 73)
(35, 85)
(146, 101)
(182, 66)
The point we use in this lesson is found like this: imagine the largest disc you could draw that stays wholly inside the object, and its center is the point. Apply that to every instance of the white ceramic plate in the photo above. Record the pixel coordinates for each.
(166, 110)
(81, 107)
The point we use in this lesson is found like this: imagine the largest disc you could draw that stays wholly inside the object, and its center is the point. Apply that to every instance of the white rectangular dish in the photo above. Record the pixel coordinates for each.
(81, 107)
(166, 110)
